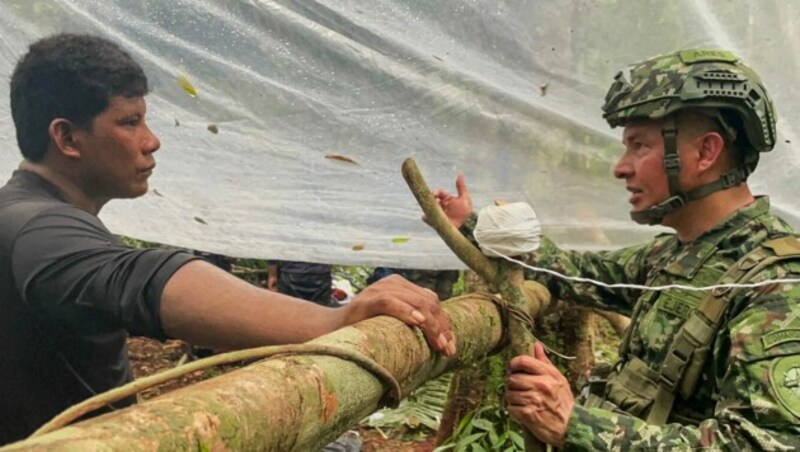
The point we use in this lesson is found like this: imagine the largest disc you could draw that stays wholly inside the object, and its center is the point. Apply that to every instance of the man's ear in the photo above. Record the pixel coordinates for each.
(62, 134)
(710, 150)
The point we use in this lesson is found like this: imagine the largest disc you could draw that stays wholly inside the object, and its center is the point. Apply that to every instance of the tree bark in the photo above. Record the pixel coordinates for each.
(468, 385)
(290, 402)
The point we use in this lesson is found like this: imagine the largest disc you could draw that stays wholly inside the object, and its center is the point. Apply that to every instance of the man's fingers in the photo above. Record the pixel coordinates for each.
(461, 185)
(422, 306)
(526, 382)
(538, 364)
(437, 328)
(539, 353)
(530, 365)
(523, 398)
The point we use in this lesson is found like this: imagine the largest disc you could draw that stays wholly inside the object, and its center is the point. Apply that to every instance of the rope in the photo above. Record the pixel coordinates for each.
(505, 311)
(640, 287)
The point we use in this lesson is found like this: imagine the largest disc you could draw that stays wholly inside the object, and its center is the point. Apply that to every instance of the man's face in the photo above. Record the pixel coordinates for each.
(642, 164)
(117, 153)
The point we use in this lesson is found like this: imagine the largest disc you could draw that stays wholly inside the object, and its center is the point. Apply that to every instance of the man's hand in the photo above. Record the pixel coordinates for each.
(272, 283)
(272, 277)
(539, 397)
(397, 297)
(457, 208)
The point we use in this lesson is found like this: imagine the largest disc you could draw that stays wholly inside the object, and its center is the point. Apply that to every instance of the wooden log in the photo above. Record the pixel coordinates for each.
(299, 402)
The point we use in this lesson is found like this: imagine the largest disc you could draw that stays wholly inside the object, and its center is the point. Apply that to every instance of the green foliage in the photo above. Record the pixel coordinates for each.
(357, 275)
(488, 427)
(250, 270)
(252, 264)
(460, 286)
(136, 243)
(418, 414)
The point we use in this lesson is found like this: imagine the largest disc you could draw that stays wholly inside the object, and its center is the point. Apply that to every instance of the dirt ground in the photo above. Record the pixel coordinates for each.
(149, 357)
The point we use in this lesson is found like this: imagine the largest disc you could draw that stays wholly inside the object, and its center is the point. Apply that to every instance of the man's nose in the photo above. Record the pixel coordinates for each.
(152, 143)
(622, 168)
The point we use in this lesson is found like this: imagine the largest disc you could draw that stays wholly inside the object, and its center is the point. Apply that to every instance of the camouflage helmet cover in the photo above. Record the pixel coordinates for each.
(694, 78)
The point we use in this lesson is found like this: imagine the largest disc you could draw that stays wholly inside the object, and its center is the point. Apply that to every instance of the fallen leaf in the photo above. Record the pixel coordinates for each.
(341, 158)
(213, 128)
(358, 247)
(155, 192)
(200, 220)
(187, 85)
(400, 239)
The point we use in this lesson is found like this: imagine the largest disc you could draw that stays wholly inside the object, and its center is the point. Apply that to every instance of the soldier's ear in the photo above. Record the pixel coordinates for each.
(710, 147)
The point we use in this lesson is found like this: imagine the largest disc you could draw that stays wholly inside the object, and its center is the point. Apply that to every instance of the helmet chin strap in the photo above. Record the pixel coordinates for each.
(672, 166)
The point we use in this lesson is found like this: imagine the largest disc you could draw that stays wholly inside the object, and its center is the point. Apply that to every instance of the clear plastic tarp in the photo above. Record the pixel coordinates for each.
(305, 111)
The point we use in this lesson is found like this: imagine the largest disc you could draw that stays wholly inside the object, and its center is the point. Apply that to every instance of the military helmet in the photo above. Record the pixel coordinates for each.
(694, 78)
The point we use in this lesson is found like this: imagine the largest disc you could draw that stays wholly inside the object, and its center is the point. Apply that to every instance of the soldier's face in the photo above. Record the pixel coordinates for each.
(641, 166)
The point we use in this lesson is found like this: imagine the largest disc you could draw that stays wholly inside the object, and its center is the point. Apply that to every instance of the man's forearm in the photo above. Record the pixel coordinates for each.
(206, 306)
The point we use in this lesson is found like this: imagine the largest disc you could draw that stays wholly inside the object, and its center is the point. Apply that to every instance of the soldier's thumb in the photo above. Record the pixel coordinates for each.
(539, 353)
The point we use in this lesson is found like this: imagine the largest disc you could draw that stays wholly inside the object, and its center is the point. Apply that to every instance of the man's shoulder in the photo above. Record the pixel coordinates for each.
(774, 266)
(24, 203)
(25, 195)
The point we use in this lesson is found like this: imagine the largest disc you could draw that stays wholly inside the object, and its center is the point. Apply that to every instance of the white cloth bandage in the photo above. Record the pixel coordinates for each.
(510, 230)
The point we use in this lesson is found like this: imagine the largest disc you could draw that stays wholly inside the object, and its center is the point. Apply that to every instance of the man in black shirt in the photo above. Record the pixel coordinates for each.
(70, 292)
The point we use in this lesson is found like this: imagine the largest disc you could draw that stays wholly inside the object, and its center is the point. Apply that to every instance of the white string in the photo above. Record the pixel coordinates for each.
(637, 286)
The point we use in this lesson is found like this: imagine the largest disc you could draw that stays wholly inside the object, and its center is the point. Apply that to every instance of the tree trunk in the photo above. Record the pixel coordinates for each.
(288, 402)
(468, 384)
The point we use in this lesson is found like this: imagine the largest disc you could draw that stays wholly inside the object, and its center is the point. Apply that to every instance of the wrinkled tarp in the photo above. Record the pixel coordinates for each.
(508, 93)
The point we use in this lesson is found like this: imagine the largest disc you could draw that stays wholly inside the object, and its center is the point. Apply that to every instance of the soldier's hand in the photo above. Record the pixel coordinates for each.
(457, 208)
(538, 396)
(414, 305)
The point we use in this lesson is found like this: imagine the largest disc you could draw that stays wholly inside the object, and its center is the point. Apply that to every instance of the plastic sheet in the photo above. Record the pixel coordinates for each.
(506, 92)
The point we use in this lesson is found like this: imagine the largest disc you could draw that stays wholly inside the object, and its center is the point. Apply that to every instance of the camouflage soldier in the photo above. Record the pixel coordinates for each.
(718, 368)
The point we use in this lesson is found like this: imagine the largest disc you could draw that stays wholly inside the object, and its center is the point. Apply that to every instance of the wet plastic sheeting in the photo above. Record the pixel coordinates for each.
(507, 92)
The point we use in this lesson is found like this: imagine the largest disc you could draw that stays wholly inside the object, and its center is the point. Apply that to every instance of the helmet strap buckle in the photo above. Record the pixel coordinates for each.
(656, 213)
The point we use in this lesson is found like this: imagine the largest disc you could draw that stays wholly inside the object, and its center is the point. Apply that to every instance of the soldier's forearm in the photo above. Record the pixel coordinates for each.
(597, 429)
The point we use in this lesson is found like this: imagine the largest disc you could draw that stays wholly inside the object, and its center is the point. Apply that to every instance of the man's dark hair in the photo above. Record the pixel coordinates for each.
(72, 77)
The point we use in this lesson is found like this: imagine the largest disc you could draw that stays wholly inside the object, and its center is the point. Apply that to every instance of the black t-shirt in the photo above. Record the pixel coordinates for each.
(70, 293)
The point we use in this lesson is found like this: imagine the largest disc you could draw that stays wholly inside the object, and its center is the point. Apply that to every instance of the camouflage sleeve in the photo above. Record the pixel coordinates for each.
(626, 265)
(758, 369)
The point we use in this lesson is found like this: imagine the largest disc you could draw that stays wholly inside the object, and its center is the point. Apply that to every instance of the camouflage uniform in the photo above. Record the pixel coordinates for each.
(749, 392)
